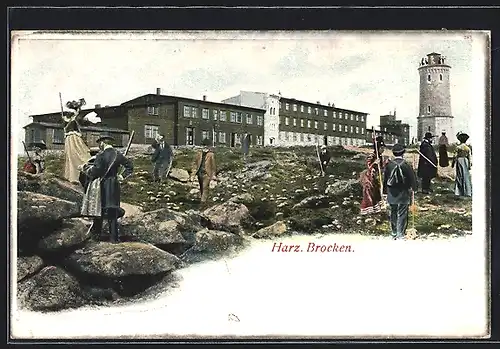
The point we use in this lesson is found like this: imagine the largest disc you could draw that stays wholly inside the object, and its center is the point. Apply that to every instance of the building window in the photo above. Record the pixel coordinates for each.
(362, 118)
(309, 110)
(294, 136)
(315, 124)
(187, 111)
(301, 122)
(194, 112)
(385, 129)
(232, 117)
(151, 131)
(325, 112)
(405, 129)
(216, 114)
(333, 127)
(287, 121)
(308, 137)
(259, 140)
(287, 106)
(340, 115)
(316, 110)
(205, 135)
(357, 129)
(429, 78)
(352, 129)
(428, 109)
(295, 107)
(259, 120)
(440, 77)
(352, 117)
(301, 108)
(152, 110)
(58, 136)
(204, 113)
(362, 131)
(249, 119)
(345, 128)
(325, 126)
(294, 122)
(223, 115)
(357, 117)
(238, 117)
(222, 137)
(334, 114)
(309, 123)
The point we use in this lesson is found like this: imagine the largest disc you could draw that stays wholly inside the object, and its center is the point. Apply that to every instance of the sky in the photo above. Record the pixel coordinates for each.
(371, 72)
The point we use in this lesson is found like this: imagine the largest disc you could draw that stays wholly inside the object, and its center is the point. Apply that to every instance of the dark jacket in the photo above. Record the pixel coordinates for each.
(161, 155)
(325, 158)
(110, 186)
(399, 195)
(425, 169)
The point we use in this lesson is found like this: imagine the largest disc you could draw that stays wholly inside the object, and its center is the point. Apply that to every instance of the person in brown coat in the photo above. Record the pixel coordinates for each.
(204, 168)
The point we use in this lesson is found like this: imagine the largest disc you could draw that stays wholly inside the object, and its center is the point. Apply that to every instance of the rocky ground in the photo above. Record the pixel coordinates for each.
(277, 192)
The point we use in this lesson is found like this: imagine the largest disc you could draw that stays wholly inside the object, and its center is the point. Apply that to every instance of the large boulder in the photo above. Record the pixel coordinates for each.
(27, 266)
(179, 174)
(243, 198)
(344, 188)
(318, 201)
(50, 290)
(74, 232)
(50, 185)
(118, 260)
(215, 241)
(277, 229)
(228, 216)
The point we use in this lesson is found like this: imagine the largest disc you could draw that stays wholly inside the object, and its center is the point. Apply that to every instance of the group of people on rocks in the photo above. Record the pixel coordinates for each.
(395, 181)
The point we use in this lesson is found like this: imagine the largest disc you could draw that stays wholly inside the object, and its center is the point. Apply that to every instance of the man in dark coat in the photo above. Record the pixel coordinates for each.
(427, 163)
(162, 159)
(324, 157)
(443, 150)
(399, 194)
(106, 167)
(245, 146)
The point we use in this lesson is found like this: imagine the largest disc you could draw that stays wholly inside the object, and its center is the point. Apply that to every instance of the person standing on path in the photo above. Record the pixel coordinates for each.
(443, 150)
(461, 161)
(427, 163)
(399, 182)
(204, 168)
(161, 158)
(245, 146)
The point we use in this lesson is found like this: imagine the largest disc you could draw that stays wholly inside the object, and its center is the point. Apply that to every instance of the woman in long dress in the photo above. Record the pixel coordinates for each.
(370, 180)
(463, 185)
(75, 149)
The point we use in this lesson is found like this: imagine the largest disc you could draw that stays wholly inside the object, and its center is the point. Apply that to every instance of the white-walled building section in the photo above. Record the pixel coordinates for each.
(290, 122)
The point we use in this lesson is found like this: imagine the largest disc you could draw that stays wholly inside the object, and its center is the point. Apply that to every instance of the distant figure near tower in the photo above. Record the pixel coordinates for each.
(435, 100)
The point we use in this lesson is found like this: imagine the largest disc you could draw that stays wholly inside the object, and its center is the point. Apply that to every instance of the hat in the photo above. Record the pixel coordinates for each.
(40, 144)
(428, 135)
(379, 142)
(443, 132)
(462, 137)
(398, 149)
(105, 137)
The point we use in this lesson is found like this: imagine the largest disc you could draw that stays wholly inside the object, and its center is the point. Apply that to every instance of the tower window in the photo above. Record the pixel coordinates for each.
(428, 109)
(429, 129)
(429, 77)
(440, 77)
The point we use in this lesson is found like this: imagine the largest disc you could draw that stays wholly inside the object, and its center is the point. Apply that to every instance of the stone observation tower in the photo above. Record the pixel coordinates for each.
(435, 101)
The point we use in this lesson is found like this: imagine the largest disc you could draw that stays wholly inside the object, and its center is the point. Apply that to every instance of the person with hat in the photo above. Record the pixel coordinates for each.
(162, 158)
(371, 179)
(399, 182)
(38, 158)
(204, 168)
(324, 157)
(443, 150)
(104, 175)
(461, 162)
(427, 163)
(76, 150)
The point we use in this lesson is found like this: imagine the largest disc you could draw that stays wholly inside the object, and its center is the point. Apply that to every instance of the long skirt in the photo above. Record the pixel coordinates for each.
(372, 199)
(463, 184)
(77, 153)
(92, 205)
(444, 161)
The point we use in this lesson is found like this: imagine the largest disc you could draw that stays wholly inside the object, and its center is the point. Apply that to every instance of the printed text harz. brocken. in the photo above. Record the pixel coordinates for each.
(311, 247)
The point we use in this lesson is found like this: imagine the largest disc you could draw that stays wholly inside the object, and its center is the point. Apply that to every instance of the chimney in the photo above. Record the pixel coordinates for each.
(97, 106)
(329, 104)
(158, 91)
(204, 97)
(317, 102)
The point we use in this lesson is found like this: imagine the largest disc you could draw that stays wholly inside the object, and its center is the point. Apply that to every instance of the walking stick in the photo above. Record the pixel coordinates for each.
(425, 157)
(379, 168)
(319, 159)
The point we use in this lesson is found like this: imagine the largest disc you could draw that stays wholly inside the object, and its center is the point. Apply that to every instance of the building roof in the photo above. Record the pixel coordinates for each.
(85, 128)
(82, 110)
(322, 105)
(434, 54)
(155, 98)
